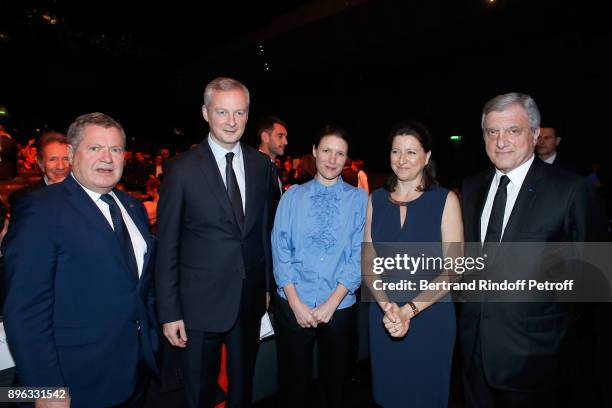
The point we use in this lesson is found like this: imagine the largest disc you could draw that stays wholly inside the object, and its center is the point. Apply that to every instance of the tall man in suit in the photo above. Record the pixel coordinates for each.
(214, 261)
(79, 310)
(519, 354)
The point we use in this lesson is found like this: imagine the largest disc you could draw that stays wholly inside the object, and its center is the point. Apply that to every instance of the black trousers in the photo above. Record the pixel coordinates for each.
(295, 347)
(202, 358)
(479, 394)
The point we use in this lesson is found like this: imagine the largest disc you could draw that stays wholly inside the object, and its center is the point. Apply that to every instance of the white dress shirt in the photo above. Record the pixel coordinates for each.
(237, 164)
(138, 242)
(516, 176)
(551, 158)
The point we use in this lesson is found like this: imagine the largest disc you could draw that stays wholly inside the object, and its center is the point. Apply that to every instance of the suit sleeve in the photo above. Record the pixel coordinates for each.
(587, 221)
(169, 218)
(150, 300)
(31, 259)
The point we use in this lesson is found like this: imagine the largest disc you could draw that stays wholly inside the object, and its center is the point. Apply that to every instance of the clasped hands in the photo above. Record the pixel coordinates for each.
(307, 317)
(396, 319)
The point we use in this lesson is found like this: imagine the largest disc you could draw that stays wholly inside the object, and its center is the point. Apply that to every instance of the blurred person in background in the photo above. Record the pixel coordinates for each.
(362, 177)
(8, 155)
(53, 162)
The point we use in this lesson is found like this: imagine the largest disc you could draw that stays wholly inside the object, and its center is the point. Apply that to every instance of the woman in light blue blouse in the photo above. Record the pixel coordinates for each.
(316, 246)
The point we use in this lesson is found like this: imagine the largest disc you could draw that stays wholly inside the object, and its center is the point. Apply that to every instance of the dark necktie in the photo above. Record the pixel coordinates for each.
(276, 189)
(276, 179)
(121, 232)
(233, 191)
(496, 220)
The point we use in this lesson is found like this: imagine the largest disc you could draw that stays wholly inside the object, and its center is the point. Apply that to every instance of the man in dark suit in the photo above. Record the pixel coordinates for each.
(272, 142)
(53, 160)
(79, 310)
(214, 260)
(546, 149)
(520, 354)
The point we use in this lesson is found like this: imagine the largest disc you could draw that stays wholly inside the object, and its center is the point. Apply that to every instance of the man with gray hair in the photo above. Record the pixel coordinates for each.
(520, 354)
(214, 260)
(79, 309)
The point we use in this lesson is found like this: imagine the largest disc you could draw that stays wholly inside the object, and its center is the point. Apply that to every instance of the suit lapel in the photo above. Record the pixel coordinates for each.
(523, 200)
(83, 203)
(482, 193)
(209, 167)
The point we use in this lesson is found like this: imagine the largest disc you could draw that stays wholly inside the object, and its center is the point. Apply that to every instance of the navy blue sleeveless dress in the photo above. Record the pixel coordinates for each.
(413, 371)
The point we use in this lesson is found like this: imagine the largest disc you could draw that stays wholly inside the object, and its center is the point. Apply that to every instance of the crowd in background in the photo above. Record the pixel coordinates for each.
(144, 169)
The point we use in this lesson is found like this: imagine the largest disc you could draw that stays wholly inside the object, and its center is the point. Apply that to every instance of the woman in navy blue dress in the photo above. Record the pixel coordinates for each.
(411, 343)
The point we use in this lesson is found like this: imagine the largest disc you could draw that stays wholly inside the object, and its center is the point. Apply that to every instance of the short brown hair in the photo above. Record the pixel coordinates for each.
(49, 137)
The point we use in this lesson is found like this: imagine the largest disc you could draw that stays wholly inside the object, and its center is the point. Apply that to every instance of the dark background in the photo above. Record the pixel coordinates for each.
(363, 64)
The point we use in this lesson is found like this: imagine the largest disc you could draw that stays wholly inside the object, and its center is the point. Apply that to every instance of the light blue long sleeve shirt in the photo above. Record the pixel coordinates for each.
(316, 241)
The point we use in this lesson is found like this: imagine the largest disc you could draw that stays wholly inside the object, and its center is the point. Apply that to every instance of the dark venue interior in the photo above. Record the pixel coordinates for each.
(363, 64)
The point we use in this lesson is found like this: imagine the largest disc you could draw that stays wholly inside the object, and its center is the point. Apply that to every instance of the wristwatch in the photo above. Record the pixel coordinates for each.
(415, 310)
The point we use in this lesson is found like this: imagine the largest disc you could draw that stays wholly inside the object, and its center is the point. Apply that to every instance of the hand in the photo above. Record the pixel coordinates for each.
(399, 327)
(267, 300)
(175, 333)
(303, 314)
(391, 311)
(324, 312)
(45, 403)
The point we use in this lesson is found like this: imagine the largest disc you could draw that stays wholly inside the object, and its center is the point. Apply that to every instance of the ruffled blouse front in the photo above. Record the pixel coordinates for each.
(316, 240)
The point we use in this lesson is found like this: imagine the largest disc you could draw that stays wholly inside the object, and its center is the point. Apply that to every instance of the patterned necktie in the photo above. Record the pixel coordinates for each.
(121, 232)
(496, 220)
(233, 191)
